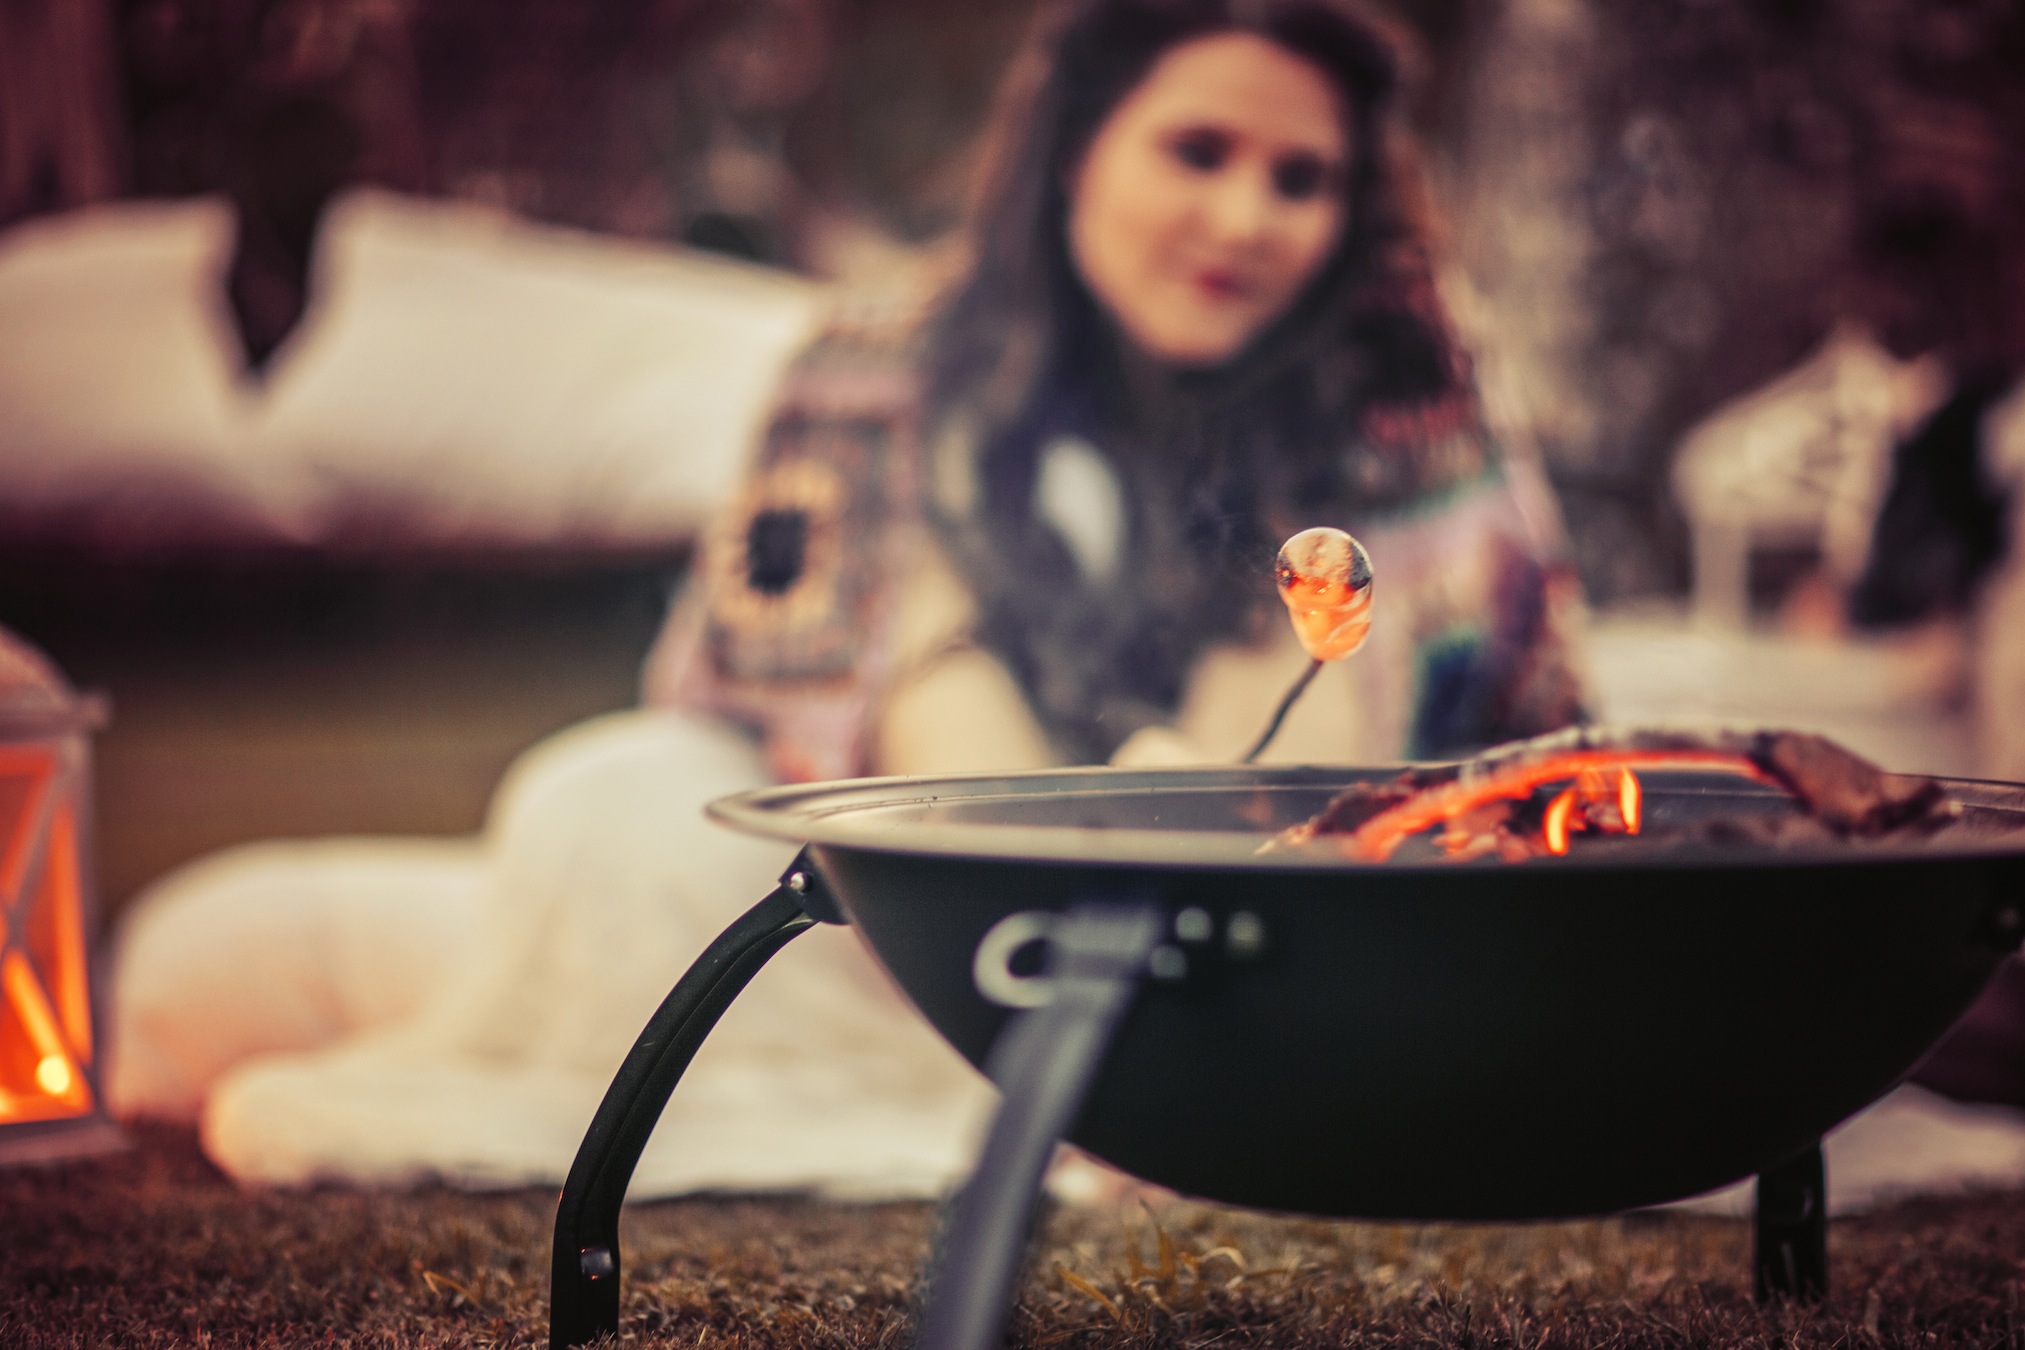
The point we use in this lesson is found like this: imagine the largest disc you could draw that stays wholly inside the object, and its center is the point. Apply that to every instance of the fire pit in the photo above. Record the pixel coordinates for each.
(1303, 1031)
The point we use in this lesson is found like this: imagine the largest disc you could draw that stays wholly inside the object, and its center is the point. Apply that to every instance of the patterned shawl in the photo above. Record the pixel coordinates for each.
(788, 626)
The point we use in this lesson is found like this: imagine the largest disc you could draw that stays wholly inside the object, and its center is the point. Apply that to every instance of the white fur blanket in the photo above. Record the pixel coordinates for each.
(394, 1013)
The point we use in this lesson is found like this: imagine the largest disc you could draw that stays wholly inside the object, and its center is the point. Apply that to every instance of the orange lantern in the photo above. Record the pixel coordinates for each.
(49, 1077)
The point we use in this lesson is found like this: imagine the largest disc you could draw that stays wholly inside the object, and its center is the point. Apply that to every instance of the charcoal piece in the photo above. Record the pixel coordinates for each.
(1353, 806)
(1359, 802)
(1844, 791)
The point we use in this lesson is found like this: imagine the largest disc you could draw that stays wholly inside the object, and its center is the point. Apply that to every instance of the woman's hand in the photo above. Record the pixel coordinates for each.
(954, 707)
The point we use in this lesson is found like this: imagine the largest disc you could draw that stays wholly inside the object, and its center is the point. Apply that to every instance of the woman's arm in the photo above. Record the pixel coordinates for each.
(952, 707)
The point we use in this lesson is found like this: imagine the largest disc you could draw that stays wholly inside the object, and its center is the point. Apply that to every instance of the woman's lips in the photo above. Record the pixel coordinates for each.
(1220, 284)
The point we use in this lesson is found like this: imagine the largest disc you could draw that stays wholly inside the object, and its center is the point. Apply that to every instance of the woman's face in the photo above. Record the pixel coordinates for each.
(1211, 196)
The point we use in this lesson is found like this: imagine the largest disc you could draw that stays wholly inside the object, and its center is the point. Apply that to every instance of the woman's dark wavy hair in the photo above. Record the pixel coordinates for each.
(1218, 463)
(1358, 336)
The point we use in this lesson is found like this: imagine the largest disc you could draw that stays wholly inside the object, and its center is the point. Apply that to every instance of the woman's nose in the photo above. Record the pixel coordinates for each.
(1241, 208)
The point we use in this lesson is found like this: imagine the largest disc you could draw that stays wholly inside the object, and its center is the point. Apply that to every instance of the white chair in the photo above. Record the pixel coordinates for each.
(1799, 462)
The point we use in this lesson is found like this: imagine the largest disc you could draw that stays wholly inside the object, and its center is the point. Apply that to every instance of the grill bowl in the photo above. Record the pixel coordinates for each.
(1438, 1041)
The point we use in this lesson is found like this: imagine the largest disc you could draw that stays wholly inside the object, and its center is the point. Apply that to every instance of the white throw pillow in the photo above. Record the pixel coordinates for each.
(121, 413)
(463, 377)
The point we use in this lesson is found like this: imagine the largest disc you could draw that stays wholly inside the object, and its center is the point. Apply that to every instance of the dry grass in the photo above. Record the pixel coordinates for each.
(153, 1248)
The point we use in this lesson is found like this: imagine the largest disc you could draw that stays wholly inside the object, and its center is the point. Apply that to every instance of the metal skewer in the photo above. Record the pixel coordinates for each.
(1287, 701)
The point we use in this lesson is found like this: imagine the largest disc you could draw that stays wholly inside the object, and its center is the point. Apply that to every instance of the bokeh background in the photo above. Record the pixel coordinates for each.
(1651, 207)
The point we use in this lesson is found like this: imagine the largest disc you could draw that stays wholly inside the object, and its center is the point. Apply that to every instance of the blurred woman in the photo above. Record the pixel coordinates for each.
(1198, 316)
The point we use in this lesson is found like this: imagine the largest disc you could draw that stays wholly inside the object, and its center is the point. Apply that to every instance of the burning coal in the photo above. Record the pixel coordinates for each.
(1536, 797)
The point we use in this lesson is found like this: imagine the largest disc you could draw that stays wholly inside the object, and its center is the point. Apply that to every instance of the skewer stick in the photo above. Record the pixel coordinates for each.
(1287, 700)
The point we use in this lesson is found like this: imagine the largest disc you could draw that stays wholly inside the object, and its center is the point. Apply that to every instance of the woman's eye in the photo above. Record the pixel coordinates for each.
(1299, 177)
(1201, 150)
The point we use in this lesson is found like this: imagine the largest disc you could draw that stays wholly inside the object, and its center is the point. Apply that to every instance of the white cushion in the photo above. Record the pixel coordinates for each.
(120, 407)
(463, 376)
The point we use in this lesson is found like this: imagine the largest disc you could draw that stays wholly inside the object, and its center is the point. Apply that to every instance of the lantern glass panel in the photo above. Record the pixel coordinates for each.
(45, 1004)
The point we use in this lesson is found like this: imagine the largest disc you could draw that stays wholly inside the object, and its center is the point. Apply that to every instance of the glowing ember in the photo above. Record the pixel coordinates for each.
(1324, 577)
(1576, 808)
(1480, 805)
(1589, 803)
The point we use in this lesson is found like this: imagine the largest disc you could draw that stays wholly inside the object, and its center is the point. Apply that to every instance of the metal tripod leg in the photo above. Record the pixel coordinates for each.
(1792, 1227)
(1043, 1063)
(584, 1271)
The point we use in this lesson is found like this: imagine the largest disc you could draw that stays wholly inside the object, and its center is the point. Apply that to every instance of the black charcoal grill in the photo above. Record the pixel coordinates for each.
(1298, 1032)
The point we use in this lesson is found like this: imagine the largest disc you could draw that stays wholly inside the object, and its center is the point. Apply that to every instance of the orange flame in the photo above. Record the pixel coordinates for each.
(1554, 829)
(1585, 804)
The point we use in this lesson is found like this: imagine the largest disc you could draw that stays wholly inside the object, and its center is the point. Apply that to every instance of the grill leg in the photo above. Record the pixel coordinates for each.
(1792, 1227)
(584, 1269)
(1043, 1063)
